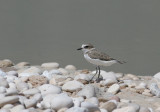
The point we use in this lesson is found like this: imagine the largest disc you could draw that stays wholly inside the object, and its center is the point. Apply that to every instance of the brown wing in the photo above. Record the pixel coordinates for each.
(99, 55)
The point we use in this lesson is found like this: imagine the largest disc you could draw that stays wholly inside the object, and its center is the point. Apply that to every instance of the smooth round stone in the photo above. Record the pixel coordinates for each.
(17, 108)
(37, 97)
(88, 91)
(5, 110)
(2, 89)
(46, 103)
(2, 96)
(61, 101)
(108, 82)
(109, 106)
(154, 89)
(83, 76)
(21, 86)
(93, 100)
(72, 86)
(11, 91)
(63, 71)
(125, 109)
(6, 63)
(22, 64)
(125, 101)
(116, 98)
(62, 110)
(55, 72)
(108, 75)
(144, 109)
(12, 73)
(131, 76)
(157, 75)
(77, 109)
(12, 85)
(10, 78)
(3, 83)
(3, 74)
(31, 92)
(77, 102)
(49, 110)
(103, 110)
(49, 89)
(21, 99)
(31, 71)
(50, 65)
(70, 67)
(8, 106)
(114, 88)
(9, 100)
(91, 107)
(30, 103)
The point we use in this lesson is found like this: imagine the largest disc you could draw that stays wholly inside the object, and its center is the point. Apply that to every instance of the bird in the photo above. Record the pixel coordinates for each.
(98, 58)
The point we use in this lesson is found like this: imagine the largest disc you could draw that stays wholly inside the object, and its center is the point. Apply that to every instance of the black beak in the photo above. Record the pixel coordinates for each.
(79, 49)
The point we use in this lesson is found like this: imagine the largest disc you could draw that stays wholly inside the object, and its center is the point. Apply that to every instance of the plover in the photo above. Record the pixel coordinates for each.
(97, 58)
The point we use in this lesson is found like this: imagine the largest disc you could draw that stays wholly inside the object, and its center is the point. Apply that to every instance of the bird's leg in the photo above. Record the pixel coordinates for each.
(94, 74)
(99, 72)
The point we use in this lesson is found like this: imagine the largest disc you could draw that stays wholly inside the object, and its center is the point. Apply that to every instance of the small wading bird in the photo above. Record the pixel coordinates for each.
(97, 58)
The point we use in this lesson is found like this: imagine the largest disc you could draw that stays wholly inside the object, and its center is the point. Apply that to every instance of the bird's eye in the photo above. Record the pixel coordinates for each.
(86, 46)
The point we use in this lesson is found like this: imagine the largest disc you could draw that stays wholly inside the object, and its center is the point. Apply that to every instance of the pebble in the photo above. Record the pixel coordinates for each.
(50, 65)
(2, 89)
(157, 75)
(6, 63)
(91, 107)
(72, 86)
(21, 86)
(108, 82)
(88, 91)
(9, 100)
(61, 101)
(125, 109)
(3, 83)
(46, 103)
(49, 89)
(70, 67)
(154, 89)
(5, 110)
(63, 71)
(31, 71)
(22, 64)
(8, 106)
(108, 75)
(93, 100)
(30, 103)
(109, 106)
(77, 109)
(114, 88)
(144, 109)
(37, 97)
(11, 91)
(31, 92)
(17, 108)
(83, 76)
(12, 73)
(125, 101)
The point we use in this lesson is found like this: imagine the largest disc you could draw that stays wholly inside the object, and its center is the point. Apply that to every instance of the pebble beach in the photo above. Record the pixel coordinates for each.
(51, 88)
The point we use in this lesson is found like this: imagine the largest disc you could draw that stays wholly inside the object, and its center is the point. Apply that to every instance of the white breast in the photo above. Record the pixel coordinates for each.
(99, 62)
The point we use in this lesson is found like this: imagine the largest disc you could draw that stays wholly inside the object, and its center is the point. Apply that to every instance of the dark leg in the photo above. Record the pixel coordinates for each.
(99, 72)
(94, 74)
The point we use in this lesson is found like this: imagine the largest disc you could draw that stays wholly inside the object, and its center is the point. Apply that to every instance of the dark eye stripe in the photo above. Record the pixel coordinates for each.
(86, 46)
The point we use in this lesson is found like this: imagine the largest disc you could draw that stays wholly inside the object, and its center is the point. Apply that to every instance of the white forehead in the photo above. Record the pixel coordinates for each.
(83, 45)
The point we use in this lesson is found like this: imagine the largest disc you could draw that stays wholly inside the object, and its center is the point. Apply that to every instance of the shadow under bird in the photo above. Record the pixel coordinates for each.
(97, 58)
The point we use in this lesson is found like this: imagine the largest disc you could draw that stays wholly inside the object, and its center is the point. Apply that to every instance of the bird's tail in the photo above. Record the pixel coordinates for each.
(121, 62)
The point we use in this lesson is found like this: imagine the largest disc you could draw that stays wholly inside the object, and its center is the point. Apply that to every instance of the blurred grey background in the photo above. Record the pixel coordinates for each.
(40, 31)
